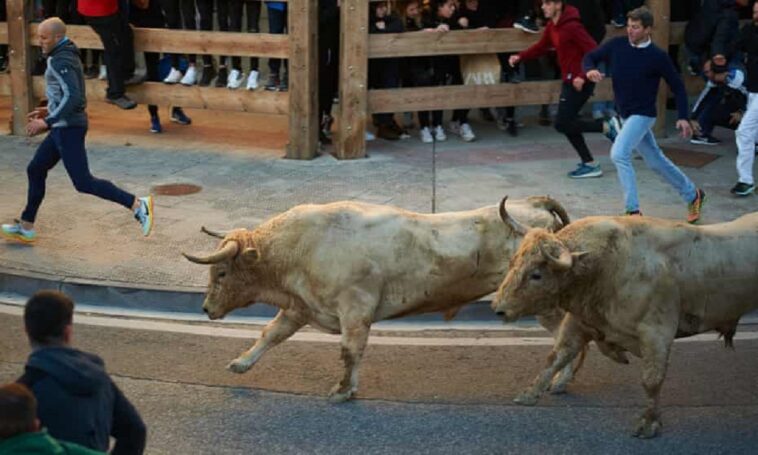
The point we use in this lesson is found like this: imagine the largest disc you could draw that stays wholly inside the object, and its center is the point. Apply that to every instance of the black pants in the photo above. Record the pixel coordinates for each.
(180, 14)
(328, 63)
(568, 121)
(118, 44)
(277, 24)
(230, 14)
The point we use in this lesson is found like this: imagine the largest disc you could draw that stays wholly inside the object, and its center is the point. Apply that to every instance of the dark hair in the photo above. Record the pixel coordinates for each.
(46, 314)
(18, 410)
(641, 14)
(552, 1)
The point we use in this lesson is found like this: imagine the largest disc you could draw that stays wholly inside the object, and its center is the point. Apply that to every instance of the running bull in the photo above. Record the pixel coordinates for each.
(636, 284)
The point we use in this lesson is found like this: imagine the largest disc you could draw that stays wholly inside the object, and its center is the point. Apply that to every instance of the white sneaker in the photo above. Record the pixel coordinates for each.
(426, 135)
(174, 76)
(103, 75)
(252, 80)
(467, 134)
(144, 214)
(190, 77)
(235, 80)
(455, 128)
(439, 134)
(370, 136)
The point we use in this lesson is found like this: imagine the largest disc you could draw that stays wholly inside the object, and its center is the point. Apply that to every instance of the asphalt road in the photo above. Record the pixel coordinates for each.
(413, 398)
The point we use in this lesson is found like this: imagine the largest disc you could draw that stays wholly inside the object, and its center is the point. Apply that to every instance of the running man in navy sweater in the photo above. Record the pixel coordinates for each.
(65, 117)
(637, 66)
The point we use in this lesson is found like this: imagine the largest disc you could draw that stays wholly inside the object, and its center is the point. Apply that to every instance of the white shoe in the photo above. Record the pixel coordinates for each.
(190, 77)
(235, 80)
(455, 128)
(439, 134)
(103, 75)
(467, 134)
(370, 136)
(252, 80)
(174, 76)
(426, 135)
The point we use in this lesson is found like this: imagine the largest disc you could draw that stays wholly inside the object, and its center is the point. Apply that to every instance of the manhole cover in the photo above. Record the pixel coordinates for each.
(176, 189)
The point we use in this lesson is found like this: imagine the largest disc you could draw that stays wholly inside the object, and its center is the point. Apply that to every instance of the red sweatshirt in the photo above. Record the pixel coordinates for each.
(97, 8)
(568, 38)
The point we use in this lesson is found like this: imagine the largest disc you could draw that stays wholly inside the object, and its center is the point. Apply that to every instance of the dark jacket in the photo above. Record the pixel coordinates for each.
(41, 443)
(78, 402)
(64, 79)
(444, 67)
(748, 43)
(592, 16)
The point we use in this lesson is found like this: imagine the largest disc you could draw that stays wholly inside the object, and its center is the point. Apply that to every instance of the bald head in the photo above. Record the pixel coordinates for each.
(54, 25)
(50, 32)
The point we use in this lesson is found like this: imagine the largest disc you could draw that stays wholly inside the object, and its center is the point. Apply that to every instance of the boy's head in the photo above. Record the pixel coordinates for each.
(18, 411)
(47, 317)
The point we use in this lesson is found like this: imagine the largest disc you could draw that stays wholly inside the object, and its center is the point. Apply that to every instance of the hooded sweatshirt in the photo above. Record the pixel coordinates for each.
(570, 41)
(64, 79)
(41, 443)
(78, 402)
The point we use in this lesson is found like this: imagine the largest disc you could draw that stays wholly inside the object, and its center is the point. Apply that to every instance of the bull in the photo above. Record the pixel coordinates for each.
(636, 284)
(342, 266)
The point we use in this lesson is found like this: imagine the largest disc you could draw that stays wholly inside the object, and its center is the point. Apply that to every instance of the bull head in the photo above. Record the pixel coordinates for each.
(517, 227)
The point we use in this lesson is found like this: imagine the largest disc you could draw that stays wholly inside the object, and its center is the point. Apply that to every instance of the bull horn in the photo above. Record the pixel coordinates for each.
(228, 251)
(217, 234)
(552, 206)
(563, 262)
(509, 221)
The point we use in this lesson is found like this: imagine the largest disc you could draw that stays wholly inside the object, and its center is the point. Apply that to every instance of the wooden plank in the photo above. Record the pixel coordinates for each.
(351, 140)
(473, 96)
(3, 32)
(303, 80)
(188, 41)
(20, 63)
(661, 10)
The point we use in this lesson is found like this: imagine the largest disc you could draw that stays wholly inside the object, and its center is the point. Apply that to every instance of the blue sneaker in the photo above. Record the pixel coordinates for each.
(612, 128)
(584, 171)
(155, 125)
(17, 233)
(144, 214)
(178, 116)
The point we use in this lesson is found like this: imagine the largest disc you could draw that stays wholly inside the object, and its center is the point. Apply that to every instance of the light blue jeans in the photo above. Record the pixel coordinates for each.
(637, 134)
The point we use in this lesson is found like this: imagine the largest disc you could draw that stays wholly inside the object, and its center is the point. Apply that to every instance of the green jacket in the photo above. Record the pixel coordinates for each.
(41, 443)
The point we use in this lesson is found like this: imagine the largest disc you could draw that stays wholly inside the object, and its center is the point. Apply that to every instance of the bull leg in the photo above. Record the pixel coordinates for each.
(354, 339)
(282, 327)
(655, 346)
(561, 380)
(570, 343)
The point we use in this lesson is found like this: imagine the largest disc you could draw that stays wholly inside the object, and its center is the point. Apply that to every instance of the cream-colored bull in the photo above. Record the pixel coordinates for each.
(636, 283)
(342, 266)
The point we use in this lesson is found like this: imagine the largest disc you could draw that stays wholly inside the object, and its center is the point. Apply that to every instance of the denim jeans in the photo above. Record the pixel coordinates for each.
(637, 134)
(747, 133)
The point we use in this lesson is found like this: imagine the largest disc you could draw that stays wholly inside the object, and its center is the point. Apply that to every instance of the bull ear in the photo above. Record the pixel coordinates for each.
(509, 221)
(250, 254)
(563, 262)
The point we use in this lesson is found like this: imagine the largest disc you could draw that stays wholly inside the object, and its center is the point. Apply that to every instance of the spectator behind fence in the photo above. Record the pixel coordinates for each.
(111, 25)
(180, 14)
(3, 47)
(277, 24)
(384, 73)
(721, 103)
(748, 129)
(619, 8)
(20, 431)
(230, 14)
(712, 31)
(328, 64)
(77, 400)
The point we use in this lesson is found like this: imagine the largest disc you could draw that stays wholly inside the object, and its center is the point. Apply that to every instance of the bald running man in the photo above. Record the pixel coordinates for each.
(65, 120)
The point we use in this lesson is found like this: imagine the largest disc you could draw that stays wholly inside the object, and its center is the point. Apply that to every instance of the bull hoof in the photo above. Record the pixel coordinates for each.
(340, 396)
(647, 429)
(238, 366)
(525, 399)
(558, 388)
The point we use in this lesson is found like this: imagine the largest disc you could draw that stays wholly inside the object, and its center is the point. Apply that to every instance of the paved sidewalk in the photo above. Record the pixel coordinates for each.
(82, 238)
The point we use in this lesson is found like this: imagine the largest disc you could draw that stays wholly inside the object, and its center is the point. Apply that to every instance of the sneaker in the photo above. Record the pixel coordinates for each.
(388, 133)
(174, 76)
(91, 72)
(439, 134)
(283, 85)
(584, 170)
(426, 135)
(223, 77)
(598, 115)
(695, 207)
(273, 83)
(209, 72)
(467, 134)
(619, 21)
(704, 140)
(190, 77)
(144, 214)
(103, 74)
(178, 116)
(17, 233)
(136, 79)
(632, 213)
(455, 128)
(611, 128)
(743, 189)
(526, 24)
(155, 125)
(369, 136)
(252, 80)
(124, 102)
(236, 78)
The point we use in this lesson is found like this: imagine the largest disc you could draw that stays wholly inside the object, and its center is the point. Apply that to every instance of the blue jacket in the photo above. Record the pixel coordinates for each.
(78, 402)
(65, 90)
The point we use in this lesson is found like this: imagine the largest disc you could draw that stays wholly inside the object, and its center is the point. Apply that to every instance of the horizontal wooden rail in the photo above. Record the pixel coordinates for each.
(261, 101)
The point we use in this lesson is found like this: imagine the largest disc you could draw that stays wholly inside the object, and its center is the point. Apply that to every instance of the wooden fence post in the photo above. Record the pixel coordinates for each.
(20, 63)
(302, 26)
(661, 10)
(353, 89)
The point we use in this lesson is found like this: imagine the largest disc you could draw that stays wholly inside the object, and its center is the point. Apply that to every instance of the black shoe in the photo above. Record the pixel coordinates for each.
(178, 116)
(123, 102)
(527, 25)
(208, 74)
(223, 77)
(487, 115)
(273, 83)
(704, 140)
(742, 189)
(91, 72)
(511, 127)
(323, 138)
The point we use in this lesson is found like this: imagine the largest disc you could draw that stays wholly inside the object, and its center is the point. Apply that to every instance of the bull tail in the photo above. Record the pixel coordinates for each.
(553, 206)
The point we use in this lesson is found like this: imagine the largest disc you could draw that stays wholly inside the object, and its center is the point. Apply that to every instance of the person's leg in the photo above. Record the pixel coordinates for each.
(746, 135)
(253, 10)
(567, 121)
(107, 29)
(276, 24)
(126, 37)
(635, 127)
(205, 15)
(45, 158)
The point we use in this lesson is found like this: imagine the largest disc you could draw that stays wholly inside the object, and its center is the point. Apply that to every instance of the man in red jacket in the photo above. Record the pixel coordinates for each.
(566, 35)
(111, 24)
